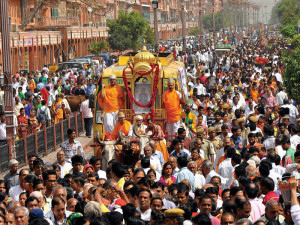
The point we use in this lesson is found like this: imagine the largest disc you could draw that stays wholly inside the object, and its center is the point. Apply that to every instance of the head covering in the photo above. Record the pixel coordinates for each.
(72, 217)
(174, 213)
(121, 115)
(253, 119)
(211, 129)
(240, 120)
(189, 103)
(36, 214)
(170, 81)
(139, 117)
(88, 166)
(225, 106)
(107, 137)
(112, 76)
(12, 162)
(200, 130)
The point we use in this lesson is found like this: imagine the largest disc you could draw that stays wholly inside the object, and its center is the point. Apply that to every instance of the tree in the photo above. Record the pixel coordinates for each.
(289, 30)
(291, 76)
(97, 47)
(124, 32)
(208, 21)
(288, 11)
(195, 31)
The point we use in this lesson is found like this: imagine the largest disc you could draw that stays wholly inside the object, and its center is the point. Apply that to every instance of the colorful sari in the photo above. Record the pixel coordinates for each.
(22, 120)
(57, 110)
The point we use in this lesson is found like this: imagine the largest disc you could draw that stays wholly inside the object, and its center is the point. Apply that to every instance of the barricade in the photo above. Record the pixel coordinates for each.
(41, 142)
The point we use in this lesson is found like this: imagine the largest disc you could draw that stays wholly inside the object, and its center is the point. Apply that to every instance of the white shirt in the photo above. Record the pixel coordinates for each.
(213, 173)
(65, 169)
(278, 169)
(280, 151)
(156, 164)
(280, 97)
(2, 131)
(295, 140)
(86, 110)
(199, 87)
(145, 216)
(15, 191)
(269, 142)
(226, 170)
(199, 181)
(219, 154)
(102, 174)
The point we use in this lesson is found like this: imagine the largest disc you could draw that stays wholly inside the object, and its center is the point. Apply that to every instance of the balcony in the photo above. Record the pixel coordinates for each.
(56, 22)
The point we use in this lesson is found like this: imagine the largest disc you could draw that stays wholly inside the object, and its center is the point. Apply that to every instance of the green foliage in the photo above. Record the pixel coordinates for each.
(195, 31)
(208, 21)
(125, 31)
(149, 35)
(288, 11)
(291, 75)
(97, 47)
(289, 30)
(274, 16)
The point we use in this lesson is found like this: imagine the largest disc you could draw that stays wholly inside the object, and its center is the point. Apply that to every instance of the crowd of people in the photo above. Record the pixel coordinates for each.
(232, 151)
(41, 97)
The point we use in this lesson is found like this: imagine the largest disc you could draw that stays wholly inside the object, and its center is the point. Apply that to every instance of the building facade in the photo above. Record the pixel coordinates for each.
(62, 29)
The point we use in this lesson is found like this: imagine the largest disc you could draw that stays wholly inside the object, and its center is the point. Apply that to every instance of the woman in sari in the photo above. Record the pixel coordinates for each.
(166, 175)
(196, 157)
(33, 121)
(27, 107)
(57, 110)
(22, 120)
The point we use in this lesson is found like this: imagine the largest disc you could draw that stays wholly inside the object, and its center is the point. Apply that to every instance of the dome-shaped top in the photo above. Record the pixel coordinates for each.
(144, 56)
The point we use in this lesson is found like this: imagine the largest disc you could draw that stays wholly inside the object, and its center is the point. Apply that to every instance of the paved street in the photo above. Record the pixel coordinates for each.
(85, 141)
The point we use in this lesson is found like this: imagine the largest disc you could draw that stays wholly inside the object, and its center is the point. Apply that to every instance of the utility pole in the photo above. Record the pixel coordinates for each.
(183, 26)
(230, 17)
(155, 6)
(7, 70)
(201, 21)
(222, 8)
(214, 22)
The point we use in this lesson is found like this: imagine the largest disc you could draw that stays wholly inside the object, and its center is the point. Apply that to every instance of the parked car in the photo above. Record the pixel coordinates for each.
(74, 66)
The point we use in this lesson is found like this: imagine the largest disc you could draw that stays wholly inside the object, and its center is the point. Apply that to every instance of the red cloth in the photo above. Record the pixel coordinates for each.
(108, 137)
(203, 79)
(269, 196)
(45, 95)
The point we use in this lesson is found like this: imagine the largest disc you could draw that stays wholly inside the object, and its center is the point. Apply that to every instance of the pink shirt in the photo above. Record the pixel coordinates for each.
(84, 108)
(257, 209)
(271, 100)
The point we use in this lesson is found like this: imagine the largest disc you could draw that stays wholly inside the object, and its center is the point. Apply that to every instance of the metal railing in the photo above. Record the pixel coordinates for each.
(42, 142)
(57, 21)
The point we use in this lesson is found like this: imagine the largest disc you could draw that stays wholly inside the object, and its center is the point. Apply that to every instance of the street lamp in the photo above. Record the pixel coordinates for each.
(183, 26)
(155, 6)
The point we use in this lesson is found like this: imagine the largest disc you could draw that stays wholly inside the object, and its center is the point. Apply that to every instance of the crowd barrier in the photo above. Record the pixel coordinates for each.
(41, 142)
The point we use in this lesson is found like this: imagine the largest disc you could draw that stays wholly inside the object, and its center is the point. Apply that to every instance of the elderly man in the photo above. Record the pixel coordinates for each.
(12, 178)
(199, 178)
(172, 100)
(15, 191)
(140, 128)
(122, 125)
(111, 99)
(21, 215)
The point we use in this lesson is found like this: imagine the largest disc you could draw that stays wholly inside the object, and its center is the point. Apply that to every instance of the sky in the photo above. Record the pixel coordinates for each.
(266, 10)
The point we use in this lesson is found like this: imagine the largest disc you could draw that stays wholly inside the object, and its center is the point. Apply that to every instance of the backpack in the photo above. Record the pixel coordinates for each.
(42, 115)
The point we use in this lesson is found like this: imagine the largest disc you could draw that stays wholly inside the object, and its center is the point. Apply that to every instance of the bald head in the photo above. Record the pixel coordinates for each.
(71, 203)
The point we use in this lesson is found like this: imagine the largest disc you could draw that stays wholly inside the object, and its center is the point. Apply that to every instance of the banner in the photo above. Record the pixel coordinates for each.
(26, 60)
